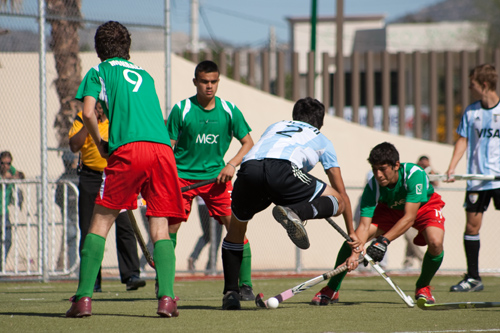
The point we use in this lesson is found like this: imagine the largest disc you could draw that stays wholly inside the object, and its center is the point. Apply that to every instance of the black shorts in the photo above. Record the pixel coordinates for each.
(478, 201)
(262, 182)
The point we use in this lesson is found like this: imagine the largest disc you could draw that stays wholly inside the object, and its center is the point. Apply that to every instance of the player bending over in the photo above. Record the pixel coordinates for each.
(140, 160)
(398, 197)
(275, 170)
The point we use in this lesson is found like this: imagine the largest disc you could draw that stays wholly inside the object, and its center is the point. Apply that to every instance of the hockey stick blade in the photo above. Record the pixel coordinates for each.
(456, 306)
(199, 184)
(259, 301)
(407, 299)
(463, 177)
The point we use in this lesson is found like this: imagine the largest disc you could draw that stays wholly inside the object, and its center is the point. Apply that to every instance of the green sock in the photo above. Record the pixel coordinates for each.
(90, 262)
(344, 253)
(430, 266)
(246, 266)
(164, 257)
(173, 237)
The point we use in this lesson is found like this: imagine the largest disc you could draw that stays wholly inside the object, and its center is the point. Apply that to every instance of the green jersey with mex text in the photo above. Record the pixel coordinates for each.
(203, 136)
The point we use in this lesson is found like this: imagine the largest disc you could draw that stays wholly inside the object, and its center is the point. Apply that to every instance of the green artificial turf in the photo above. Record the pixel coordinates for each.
(367, 304)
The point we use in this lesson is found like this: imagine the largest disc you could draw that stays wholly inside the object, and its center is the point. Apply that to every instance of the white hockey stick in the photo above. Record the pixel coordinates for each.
(407, 299)
(463, 177)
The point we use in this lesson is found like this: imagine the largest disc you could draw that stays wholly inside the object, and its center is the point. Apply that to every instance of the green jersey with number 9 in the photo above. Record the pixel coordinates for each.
(128, 96)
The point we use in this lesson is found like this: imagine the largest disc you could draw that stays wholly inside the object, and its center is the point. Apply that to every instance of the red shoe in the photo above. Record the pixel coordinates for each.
(425, 292)
(167, 307)
(82, 308)
(325, 296)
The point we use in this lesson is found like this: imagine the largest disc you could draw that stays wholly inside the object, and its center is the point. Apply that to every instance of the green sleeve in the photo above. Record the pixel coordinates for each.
(174, 123)
(90, 86)
(369, 199)
(419, 189)
(240, 125)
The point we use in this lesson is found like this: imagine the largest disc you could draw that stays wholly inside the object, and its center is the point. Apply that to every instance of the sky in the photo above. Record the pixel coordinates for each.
(241, 23)
(248, 22)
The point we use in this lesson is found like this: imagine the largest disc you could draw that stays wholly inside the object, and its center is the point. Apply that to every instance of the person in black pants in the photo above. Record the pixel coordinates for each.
(90, 172)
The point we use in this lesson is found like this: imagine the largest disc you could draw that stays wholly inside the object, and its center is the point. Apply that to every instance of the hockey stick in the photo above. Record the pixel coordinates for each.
(407, 299)
(453, 306)
(259, 301)
(199, 184)
(135, 226)
(140, 240)
(463, 177)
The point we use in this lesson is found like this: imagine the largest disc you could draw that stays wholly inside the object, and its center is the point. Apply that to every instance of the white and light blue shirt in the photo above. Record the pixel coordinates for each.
(481, 127)
(297, 142)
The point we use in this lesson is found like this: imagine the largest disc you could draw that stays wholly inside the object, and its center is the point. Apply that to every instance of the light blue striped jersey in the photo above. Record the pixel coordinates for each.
(297, 142)
(481, 127)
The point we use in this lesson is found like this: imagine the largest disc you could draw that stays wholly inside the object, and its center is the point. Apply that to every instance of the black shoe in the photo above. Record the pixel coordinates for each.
(231, 301)
(246, 293)
(97, 288)
(293, 224)
(135, 282)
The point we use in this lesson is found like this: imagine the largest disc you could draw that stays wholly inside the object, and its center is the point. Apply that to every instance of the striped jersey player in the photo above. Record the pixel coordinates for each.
(276, 170)
(479, 132)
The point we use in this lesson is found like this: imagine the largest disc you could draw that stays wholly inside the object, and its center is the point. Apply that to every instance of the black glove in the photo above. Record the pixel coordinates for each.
(377, 248)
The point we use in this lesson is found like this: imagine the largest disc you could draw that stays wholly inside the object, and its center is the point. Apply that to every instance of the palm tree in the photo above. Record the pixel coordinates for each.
(64, 17)
(65, 46)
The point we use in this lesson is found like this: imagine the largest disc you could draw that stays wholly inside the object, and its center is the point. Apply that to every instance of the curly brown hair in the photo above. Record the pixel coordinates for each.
(112, 40)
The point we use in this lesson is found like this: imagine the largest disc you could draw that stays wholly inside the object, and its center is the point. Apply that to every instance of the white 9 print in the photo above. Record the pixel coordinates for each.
(137, 83)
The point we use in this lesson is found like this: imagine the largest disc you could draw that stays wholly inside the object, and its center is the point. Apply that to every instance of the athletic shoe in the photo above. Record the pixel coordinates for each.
(246, 293)
(134, 282)
(191, 268)
(425, 293)
(468, 284)
(80, 308)
(325, 296)
(97, 288)
(167, 307)
(231, 301)
(293, 225)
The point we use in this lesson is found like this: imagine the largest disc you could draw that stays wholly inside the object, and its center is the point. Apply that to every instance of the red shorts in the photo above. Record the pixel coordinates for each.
(142, 167)
(429, 215)
(217, 197)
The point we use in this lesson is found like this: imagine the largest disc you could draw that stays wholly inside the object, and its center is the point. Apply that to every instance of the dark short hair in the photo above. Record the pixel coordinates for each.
(112, 40)
(206, 66)
(423, 157)
(384, 153)
(309, 110)
(485, 73)
(6, 154)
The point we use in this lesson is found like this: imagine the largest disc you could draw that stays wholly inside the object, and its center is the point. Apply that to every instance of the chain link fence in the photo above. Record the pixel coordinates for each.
(48, 248)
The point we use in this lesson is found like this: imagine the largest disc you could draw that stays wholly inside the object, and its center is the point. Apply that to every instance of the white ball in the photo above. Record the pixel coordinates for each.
(272, 303)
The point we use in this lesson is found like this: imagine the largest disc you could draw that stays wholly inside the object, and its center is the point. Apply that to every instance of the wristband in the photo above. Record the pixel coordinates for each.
(231, 165)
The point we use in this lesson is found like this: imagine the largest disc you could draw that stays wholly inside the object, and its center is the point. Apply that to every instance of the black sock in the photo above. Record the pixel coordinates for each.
(232, 255)
(472, 245)
(317, 209)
